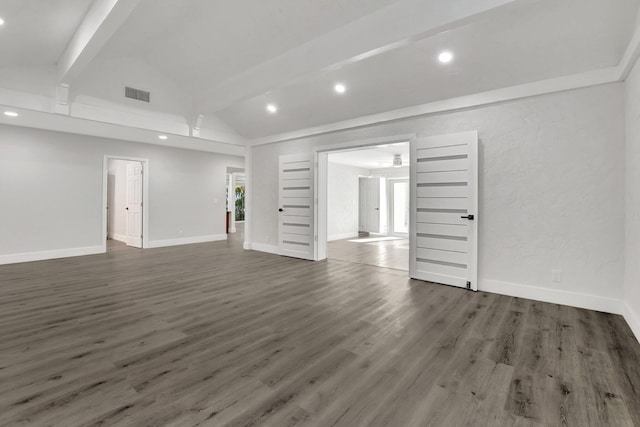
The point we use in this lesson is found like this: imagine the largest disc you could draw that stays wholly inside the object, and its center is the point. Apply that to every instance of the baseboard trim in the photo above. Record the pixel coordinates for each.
(261, 247)
(46, 255)
(342, 236)
(633, 320)
(555, 296)
(185, 241)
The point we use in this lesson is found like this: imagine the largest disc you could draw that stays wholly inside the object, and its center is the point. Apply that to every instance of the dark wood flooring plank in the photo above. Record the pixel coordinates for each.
(212, 335)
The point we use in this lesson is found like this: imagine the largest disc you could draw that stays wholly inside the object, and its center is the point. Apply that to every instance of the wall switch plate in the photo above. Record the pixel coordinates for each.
(556, 276)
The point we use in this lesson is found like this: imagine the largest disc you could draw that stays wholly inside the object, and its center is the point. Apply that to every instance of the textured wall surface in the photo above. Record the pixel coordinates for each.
(551, 186)
(632, 217)
(51, 190)
(342, 200)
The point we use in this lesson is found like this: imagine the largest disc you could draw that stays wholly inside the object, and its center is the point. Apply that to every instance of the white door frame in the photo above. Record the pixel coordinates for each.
(321, 157)
(145, 197)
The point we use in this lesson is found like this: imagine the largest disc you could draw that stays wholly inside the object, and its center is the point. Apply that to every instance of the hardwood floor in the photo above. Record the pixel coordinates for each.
(380, 251)
(211, 335)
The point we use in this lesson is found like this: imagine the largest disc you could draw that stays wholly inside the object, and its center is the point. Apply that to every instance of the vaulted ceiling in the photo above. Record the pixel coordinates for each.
(212, 66)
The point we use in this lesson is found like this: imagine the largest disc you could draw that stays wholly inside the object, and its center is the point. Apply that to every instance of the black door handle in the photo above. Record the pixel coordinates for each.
(127, 208)
(469, 217)
(280, 210)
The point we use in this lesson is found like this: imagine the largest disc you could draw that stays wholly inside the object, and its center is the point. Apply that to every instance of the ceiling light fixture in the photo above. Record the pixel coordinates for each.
(272, 108)
(1, 21)
(445, 57)
(11, 114)
(340, 88)
(397, 161)
(163, 137)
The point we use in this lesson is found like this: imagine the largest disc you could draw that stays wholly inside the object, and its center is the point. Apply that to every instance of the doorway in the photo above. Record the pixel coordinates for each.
(443, 206)
(125, 190)
(399, 207)
(235, 203)
(368, 205)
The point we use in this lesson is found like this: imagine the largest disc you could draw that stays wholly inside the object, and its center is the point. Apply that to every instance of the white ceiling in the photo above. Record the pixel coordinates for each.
(377, 157)
(36, 32)
(531, 42)
(198, 43)
(225, 60)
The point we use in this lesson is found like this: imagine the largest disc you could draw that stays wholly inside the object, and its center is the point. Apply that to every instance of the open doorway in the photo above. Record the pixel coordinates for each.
(125, 218)
(236, 193)
(368, 205)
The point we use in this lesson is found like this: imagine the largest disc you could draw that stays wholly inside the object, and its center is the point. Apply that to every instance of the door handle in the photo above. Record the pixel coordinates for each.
(469, 217)
(127, 208)
(280, 210)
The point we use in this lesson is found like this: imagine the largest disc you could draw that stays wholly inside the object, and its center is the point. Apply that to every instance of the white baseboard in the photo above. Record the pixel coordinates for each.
(341, 236)
(633, 320)
(555, 296)
(119, 237)
(54, 254)
(261, 247)
(185, 241)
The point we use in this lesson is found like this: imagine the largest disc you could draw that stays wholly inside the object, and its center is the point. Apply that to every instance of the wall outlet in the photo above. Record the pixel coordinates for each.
(556, 276)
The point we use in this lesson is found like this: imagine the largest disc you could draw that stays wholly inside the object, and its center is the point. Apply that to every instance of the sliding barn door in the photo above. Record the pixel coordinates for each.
(444, 209)
(296, 227)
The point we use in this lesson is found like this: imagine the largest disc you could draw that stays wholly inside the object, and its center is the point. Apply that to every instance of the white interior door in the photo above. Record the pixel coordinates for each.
(444, 209)
(134, 204)
(369, 205)
(296, 225)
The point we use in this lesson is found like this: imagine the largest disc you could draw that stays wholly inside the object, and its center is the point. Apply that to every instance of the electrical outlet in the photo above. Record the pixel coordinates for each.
(556, 276)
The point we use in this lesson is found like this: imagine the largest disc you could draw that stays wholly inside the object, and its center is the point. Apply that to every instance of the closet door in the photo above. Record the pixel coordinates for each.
(369, 205)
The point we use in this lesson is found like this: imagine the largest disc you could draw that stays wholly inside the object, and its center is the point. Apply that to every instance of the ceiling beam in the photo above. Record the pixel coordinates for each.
(388, 28)
(101, 22)
(631, 54)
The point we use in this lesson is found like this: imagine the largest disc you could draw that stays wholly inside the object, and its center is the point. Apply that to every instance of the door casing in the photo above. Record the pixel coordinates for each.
(321, 159)
(145, 197)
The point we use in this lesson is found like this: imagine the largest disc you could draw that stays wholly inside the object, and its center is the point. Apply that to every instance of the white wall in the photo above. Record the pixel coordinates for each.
(632, 193)
(551, 191)
(51, 193)
(342, 200)
(117, 201)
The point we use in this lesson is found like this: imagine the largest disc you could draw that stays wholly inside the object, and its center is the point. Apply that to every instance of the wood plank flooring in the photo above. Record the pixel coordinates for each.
(211, 335)
(372, 251)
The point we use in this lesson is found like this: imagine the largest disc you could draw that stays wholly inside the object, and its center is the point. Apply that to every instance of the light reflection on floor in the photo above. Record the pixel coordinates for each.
(390, 252)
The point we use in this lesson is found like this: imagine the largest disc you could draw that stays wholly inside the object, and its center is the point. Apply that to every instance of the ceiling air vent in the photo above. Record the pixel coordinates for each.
(137, 94)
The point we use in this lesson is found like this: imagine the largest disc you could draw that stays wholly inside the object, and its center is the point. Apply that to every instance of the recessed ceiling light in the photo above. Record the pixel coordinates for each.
(11, 113)
(1, 21)
(340, 88)
(445, 57)
(163, 137)
(272, 108)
